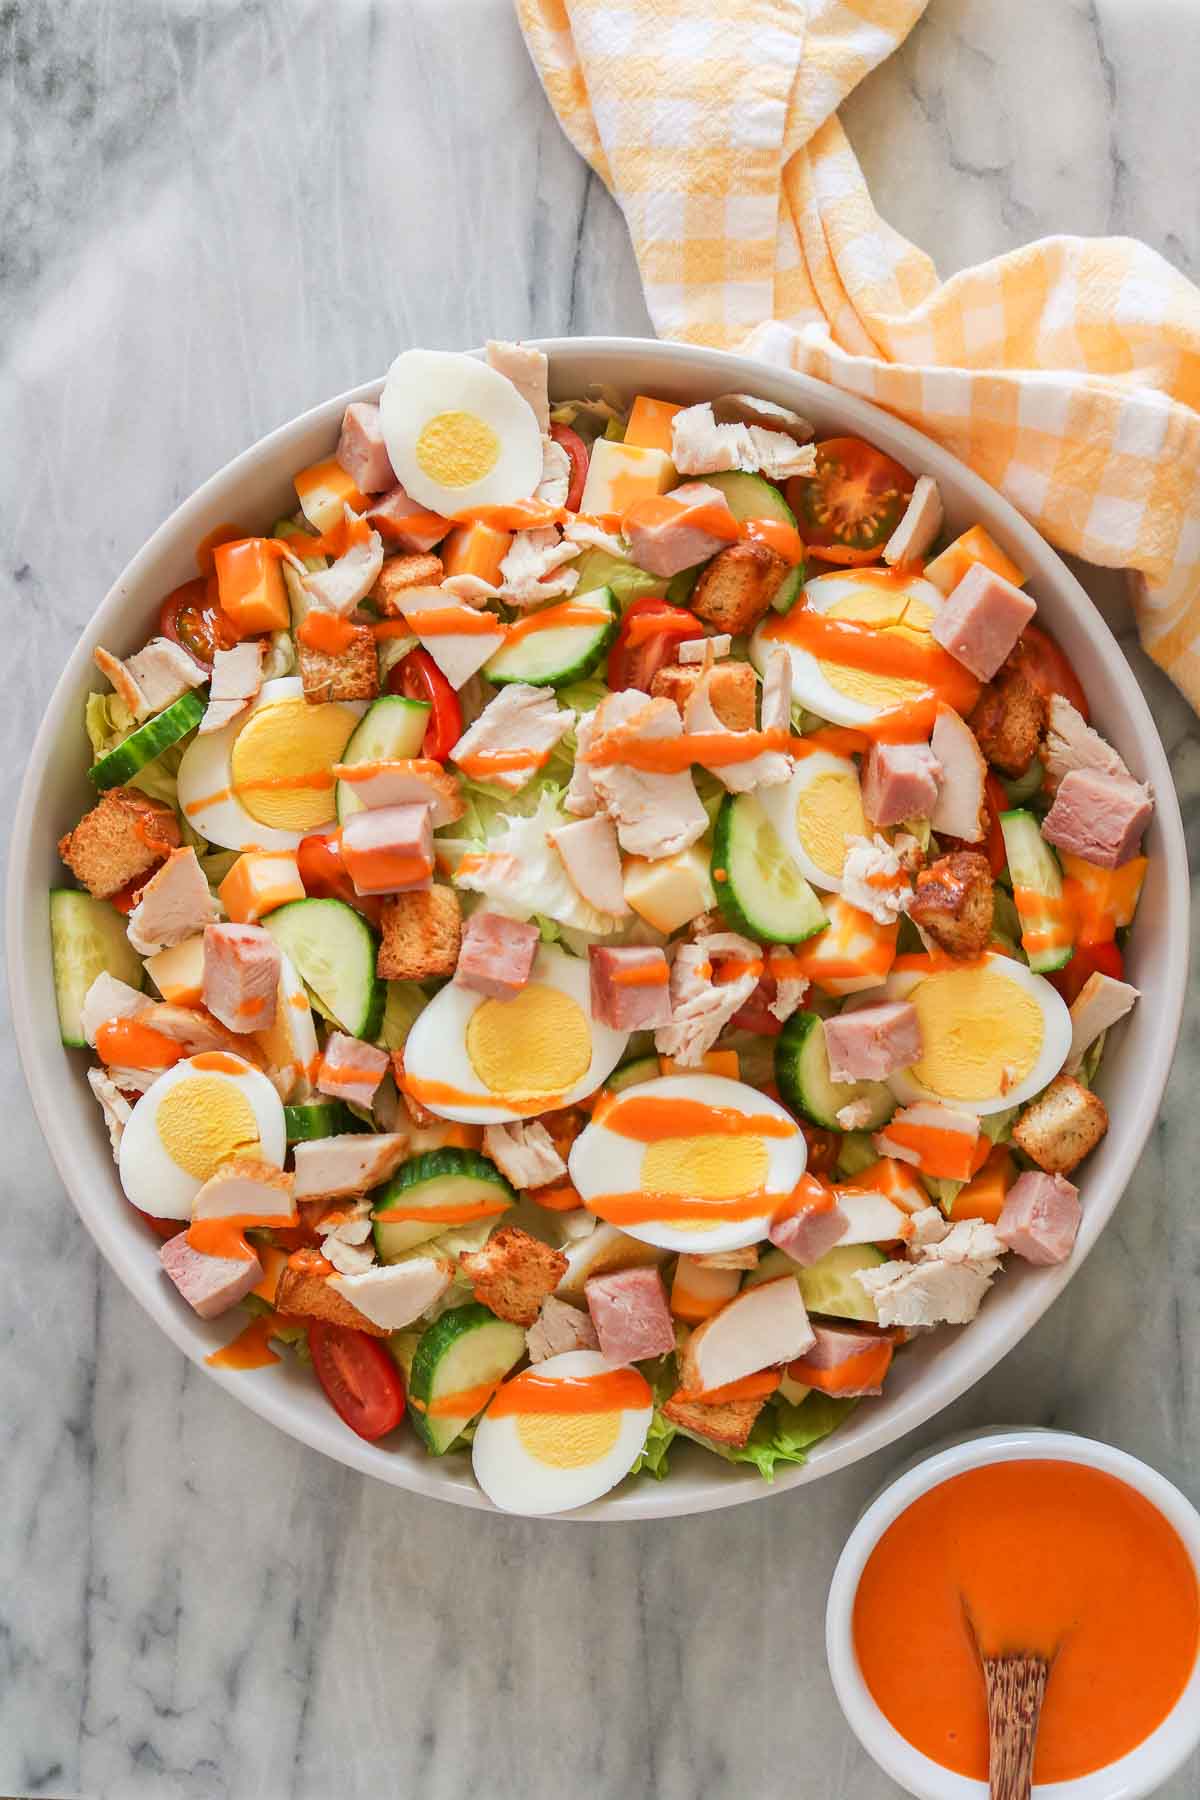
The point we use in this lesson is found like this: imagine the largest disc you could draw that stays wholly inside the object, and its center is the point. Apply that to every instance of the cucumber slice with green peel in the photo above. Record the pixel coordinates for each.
(559, 653)
(751, 496)
(1038, 892)
(630, 1074)
(316, 1119)
(804, 1083)
(149, 740)
(828, 1285)
(598, 568)
(445, 1185)
(1023, 789)
(391, 730)
(760, 890)
(467, 1351)
(333, 949)
(87, 938)
(789, 589)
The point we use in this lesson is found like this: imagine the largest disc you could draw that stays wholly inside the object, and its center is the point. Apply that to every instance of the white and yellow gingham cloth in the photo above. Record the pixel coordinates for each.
(1067, 374)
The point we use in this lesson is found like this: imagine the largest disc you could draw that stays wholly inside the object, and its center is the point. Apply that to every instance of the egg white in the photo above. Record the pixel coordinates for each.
(603, 1162)
(517, 1482)
(290, 1046)
(782, 805)
(809, 685)
(152, 1180)
(1056, 1038)
(421, 385)
(206, 795)
(436, 1048)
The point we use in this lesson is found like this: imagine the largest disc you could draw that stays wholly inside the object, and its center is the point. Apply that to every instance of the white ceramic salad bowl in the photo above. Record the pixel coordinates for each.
(256, 486)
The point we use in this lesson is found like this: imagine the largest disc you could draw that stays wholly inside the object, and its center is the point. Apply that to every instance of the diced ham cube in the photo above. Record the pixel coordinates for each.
(872, 1042)
(1040, 1217)
(351, 1070)
(1099, 818)
(838, 1346)
(982, 620)
(242, 967)
(806, 1235)
(209, 1284)
(630, 1313)
(630, 986)
(389, 849)
(496, 955)
(404, 524)
(899, 781)
(668, 538)
(361, 450)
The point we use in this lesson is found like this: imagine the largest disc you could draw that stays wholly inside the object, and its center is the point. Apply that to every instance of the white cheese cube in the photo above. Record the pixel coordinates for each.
(671, 891)
(621, 474)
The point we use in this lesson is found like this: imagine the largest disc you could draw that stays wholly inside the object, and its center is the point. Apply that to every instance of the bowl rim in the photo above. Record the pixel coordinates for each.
(1142, 1770)
(610, 358)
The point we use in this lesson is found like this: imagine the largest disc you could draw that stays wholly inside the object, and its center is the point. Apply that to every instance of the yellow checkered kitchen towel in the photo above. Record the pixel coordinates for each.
(1067, 373)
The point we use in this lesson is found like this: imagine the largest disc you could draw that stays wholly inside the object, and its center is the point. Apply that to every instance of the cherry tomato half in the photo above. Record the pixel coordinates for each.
(1087, 960)
(638, 654)
(323, 874)
(755, 1013)
(823, 1147)
(192, 617)
(361, 1382)
(997, 802)
(418, 677)
(853, 502)
(1044, 665)
(576, 449)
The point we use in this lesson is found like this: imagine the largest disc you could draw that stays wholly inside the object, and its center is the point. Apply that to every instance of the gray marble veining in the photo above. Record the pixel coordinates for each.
(215, 214)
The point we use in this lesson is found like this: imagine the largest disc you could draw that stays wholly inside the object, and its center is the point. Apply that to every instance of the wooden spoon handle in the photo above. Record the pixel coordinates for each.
(1016, 1686)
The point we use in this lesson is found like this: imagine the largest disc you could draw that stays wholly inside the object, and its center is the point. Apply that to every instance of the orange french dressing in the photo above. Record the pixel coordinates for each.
(644, 1209)
(453, 621)
(250, 1349)
(671, 756)
(326, 632)
(784, 539)
(665, 509)
(125, 1044)
(461, 1405)
(651, 1118)
(521, 515)
(642, 975)
(892, 653)
(1047, 1557)
(608, 1391)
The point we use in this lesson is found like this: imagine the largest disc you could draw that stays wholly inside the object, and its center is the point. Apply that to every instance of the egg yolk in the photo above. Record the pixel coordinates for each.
(828, 811)
(457, 449)
(282, 762)
(204, 1122)
(565, 1442)
(705, 1168)
(536, 1045)
(981, 1033)
(889, 611)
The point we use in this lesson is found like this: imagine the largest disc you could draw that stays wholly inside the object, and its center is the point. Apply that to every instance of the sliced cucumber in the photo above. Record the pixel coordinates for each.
(802, 1077)
(467, 1351)
(759, 888)
(149, 740)
(1037, 890)
(598, 568)
(333, 949)
(391, 730)
(559, 653)
(316, 1119)
(789, 589)
(751, 497)
(828, 1285)
(438, 1180)
(630, 1074)
(87, 938)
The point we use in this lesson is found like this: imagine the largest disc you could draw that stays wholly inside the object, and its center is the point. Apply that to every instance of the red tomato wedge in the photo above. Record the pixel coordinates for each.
(576, 449)
(997, 802)
(324, 875)
(361, 1382)
(418, 677)
(640, 650)
(1044, 665)
(853, 502)
(192, 617)
(1087, 960)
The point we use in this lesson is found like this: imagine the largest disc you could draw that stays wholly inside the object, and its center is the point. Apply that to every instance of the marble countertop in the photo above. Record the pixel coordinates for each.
(217, 212)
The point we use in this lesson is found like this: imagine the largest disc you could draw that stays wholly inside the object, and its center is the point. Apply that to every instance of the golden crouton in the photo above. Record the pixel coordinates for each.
(304, 1291)
(1059, 1128)
(953, 903)
(401, 572)
(513, 1273)
(1009, 721)
(122, 837)
(421, 935)
(730, 1423)
(735, 589)
(746, 1258)
(732, 689)
(353, 674)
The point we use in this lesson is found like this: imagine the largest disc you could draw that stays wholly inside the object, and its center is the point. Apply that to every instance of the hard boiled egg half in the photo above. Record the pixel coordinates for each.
(815, 812)
(992, 1033)
(689, 1162)
(892, 605)
(488, 1061)
(458, 433)
(266, 780)
(540, 1451)
(201, 1113)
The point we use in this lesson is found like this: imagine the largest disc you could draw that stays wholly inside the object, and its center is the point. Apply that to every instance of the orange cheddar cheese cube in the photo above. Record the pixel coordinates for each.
(649, 426)
(476, 550)
(853, 953)
(324, 492)
(250, 585)
(974, 546)
(258, 882)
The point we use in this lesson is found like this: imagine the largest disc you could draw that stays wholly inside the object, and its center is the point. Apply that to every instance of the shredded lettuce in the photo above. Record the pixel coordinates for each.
(591, 415)
(584, 696)
(856, 1153)
(783, 1433)
(1090, 1067)
(108, 722)
(281, 656)
(663, 1378)
(404, 1002)
(527, 877)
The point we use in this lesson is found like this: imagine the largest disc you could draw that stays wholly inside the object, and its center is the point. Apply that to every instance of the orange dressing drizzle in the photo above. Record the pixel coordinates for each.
(610, 1390)
(671, 756)
(250, 1349)
(126, 1044)
(326, 632)
(442, 1093)
(449, 1214)
(648, 974)
(784, 539)
(649, 1118)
